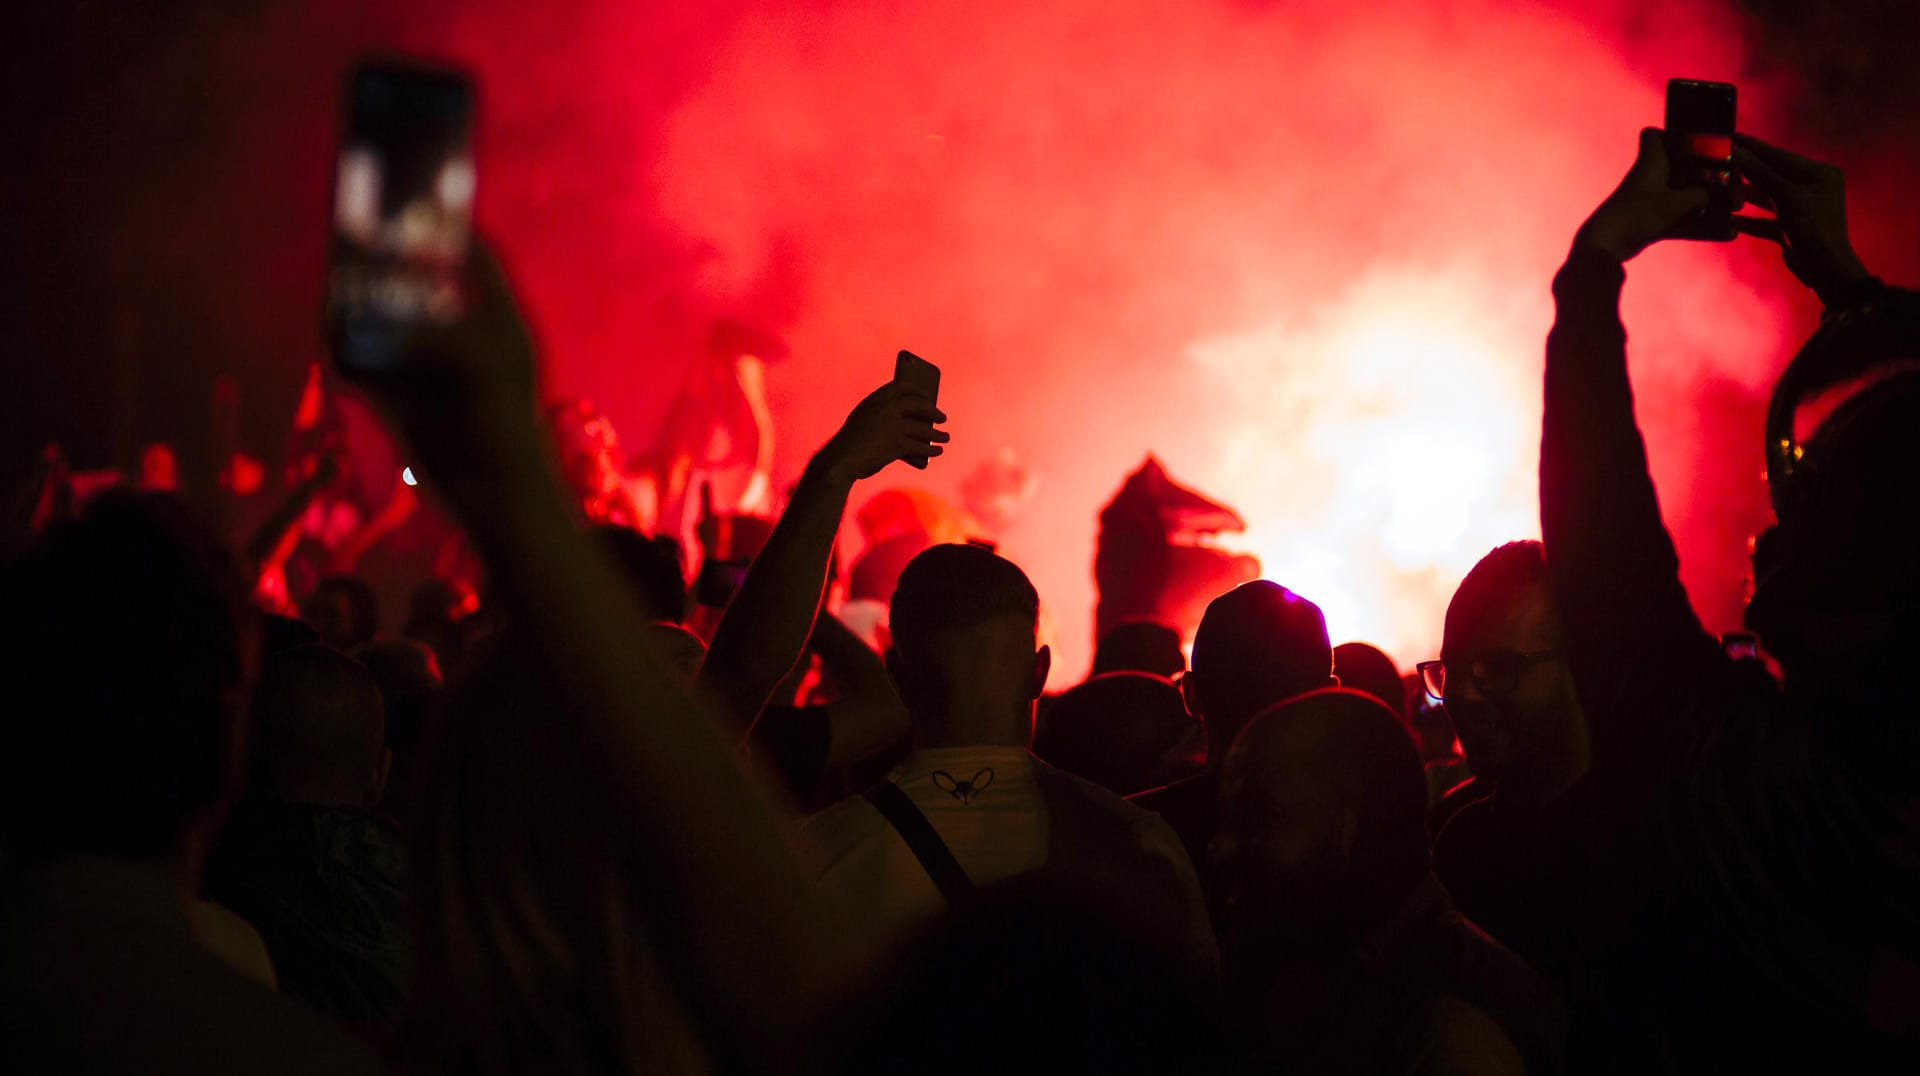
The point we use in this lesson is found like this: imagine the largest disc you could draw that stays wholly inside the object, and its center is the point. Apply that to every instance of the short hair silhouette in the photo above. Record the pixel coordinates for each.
(957, 586)
(128, 663)
(1506, 574)
(1365, 667)
(1140, 646)
(1360, 750)
(1258, 644)
(1125, 731)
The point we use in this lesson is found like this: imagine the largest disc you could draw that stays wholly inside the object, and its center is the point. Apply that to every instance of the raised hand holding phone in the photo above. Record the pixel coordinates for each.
(917, 373)
(1644, 208)
(897, 421)
(1699, 144)
(403, 200)
(1809, 198)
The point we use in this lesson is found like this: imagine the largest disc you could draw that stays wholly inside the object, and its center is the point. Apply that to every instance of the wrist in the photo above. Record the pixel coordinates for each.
(1847, 290)
(825, 470)
(1605, 237)
(1843, 281)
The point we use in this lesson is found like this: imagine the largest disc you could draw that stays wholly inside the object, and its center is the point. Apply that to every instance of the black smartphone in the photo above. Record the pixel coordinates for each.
(911, 369)
(402, 209)
(1699, 134)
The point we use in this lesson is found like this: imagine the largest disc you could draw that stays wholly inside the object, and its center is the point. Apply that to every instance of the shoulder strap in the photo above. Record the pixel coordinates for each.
(935, 857)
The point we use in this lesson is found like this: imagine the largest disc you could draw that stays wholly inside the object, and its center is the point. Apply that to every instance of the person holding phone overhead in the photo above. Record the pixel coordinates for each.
(1750, 896)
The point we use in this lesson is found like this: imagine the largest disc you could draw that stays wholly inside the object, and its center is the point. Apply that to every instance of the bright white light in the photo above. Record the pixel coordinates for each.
(406, 475)
(456, 184)
(1380, 450)
(356, 194)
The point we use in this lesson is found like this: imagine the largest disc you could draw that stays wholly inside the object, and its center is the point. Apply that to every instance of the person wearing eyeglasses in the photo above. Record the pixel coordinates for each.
(1502, 853)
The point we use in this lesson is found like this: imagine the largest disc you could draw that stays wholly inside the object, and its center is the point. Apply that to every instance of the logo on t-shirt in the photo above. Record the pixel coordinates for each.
(964, 791)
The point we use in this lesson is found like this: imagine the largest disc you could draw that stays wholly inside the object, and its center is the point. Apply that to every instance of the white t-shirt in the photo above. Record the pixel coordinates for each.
(1003, 813)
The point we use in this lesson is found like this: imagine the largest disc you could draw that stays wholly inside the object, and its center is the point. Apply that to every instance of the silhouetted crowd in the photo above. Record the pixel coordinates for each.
(598, 814)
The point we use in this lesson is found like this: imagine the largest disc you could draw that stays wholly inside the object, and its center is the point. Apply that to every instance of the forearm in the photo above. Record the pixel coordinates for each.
(263, 548)
(346, 559)
(766, 626)
(1613, 569)
(730, 901)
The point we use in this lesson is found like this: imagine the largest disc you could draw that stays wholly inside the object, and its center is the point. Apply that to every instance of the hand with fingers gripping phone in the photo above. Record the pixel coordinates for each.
(1808, 198)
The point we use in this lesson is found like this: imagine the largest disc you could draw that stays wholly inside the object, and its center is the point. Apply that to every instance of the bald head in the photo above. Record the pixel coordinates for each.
(319, 730)
(1259, 644)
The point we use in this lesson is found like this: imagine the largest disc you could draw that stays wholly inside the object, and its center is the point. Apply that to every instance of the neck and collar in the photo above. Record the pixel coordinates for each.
(967, 720)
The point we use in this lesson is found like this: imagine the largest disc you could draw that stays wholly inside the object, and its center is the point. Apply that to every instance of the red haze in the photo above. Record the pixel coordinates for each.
(1299, 251)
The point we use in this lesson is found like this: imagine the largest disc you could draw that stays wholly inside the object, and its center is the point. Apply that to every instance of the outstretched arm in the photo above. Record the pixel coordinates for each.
(765, 628)
(1615, 576)
(753, 952)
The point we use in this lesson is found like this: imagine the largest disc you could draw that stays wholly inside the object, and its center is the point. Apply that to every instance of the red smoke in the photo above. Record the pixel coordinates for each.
(1299, 251)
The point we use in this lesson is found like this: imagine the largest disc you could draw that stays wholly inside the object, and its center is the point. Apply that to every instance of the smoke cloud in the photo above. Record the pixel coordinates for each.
(1300, 251)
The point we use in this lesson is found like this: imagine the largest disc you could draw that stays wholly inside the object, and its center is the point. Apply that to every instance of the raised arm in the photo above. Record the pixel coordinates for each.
(766, 626)
(273, 541)
(392, 516)
(1633, 642)
(1629, 628)
(753, 952)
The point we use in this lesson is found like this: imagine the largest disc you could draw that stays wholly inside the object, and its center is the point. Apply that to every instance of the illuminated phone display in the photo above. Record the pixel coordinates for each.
(1700, 126)
(403, 207)
(1700, 118)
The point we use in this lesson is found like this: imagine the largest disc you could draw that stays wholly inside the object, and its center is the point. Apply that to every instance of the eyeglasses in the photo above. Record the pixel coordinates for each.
(1495, 672)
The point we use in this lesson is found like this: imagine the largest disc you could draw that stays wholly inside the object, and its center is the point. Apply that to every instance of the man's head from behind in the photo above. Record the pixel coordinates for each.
(1507, 687)
(965, 651)
(129, 651)
(1259, 644)
(319, 731)
(1140, 646)
(1126, 731)
(1322, 826)
(1367, 668)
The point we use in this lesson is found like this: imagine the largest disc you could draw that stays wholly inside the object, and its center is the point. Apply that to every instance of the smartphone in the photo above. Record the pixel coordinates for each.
(402, 209)
(911, 369)
(1699, 133)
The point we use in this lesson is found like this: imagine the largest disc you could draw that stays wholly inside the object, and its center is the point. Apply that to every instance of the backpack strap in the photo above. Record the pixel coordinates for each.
(923, 840)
